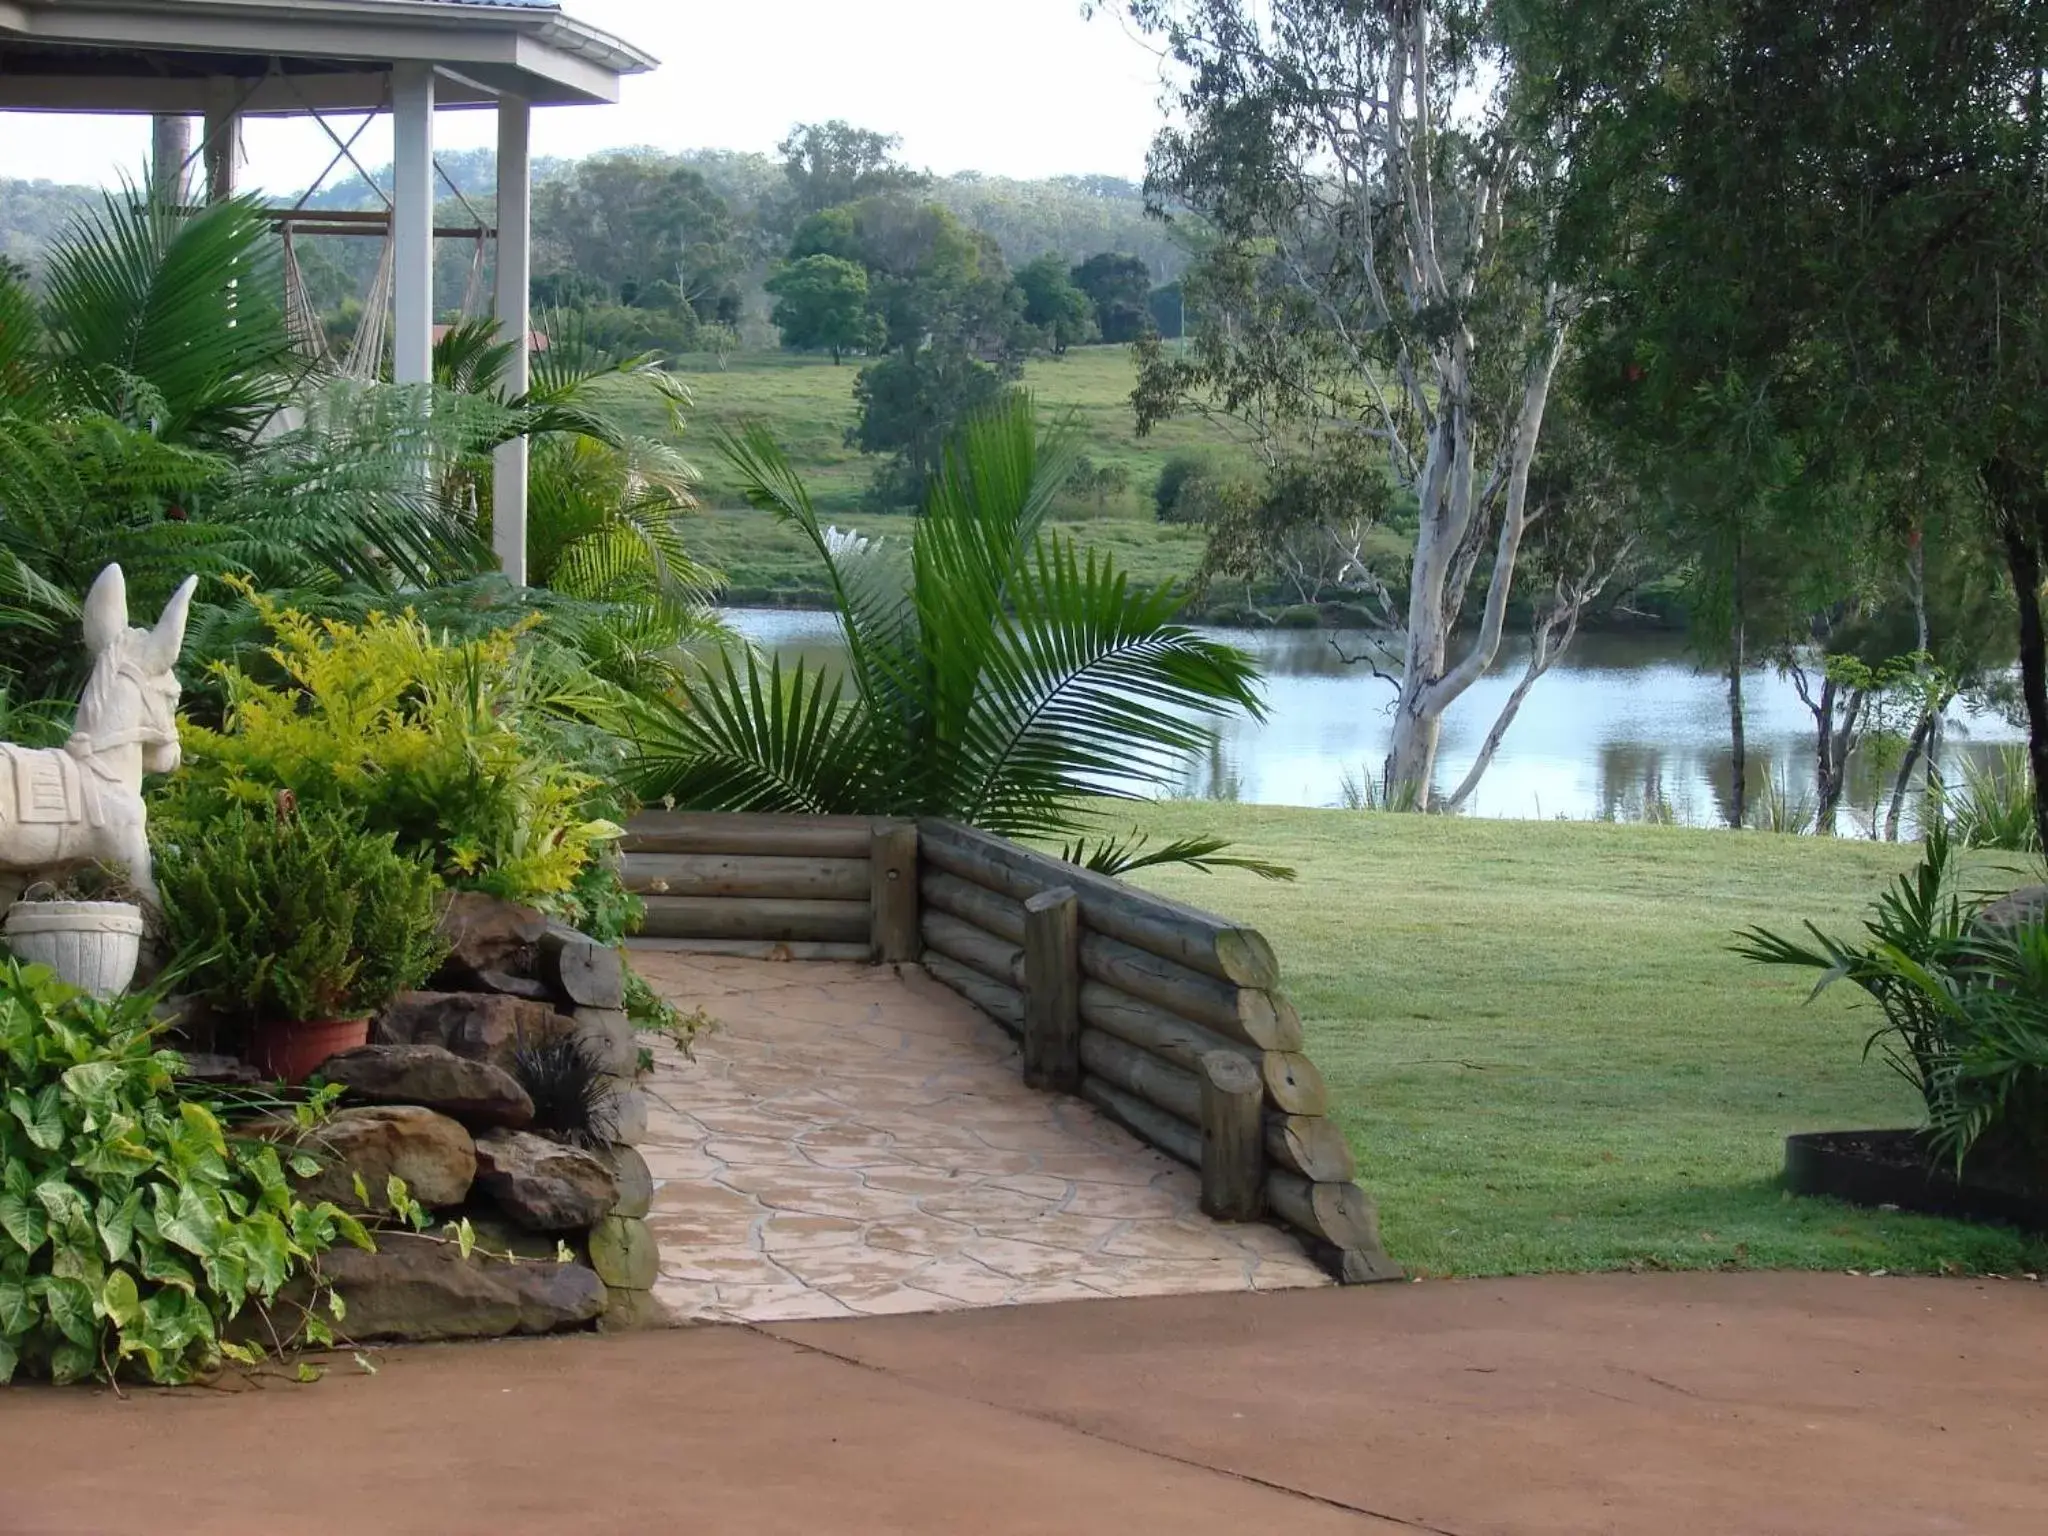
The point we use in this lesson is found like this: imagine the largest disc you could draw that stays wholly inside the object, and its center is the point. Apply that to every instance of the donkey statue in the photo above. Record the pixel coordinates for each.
(81, 803)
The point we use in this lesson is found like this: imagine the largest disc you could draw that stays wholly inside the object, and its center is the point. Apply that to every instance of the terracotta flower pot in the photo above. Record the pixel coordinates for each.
(94, 945)
(294, 1050)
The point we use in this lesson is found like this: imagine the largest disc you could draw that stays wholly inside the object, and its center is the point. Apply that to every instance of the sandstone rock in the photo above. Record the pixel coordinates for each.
(432, 1153)
(531, 988)
(636, 1312)
(487, 934)
(610, 1035)
(412, 1289)
(624, 1254)
(498, 1234)
(636, 1182)
(483, 1026)
(543, 1184)
(214, 1069)
(2027, 904)
(474, 1092)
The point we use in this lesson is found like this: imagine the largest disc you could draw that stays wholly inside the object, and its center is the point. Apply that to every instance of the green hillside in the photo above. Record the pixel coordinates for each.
(808, 404)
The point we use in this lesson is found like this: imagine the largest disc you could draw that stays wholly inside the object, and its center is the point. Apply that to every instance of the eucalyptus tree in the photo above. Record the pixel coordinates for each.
(1380, 293)
(1825, 227)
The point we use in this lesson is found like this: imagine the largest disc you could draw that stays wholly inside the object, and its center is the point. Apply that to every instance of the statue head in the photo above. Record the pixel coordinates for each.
(133, 694)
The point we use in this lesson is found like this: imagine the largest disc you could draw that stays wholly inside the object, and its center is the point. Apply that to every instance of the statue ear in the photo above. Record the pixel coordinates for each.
(106, 610)
(168, 638)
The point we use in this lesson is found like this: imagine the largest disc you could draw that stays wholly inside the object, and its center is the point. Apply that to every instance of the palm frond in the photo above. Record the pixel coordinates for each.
(733, 740)
(170, 319)
(1118, 856)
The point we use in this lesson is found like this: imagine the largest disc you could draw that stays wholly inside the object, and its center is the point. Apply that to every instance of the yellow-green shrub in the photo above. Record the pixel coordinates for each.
(442, 743)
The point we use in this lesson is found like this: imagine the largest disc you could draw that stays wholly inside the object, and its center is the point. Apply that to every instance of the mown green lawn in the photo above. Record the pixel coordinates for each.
(1544, 1054)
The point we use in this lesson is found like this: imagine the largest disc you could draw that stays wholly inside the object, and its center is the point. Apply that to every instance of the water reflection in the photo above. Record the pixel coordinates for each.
(1627, 728)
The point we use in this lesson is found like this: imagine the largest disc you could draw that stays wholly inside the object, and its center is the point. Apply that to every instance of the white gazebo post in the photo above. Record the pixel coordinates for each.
(515, 323)
(412, 223)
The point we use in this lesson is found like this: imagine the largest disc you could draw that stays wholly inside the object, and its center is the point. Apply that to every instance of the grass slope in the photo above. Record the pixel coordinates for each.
(808, 404)
(1544, 1054)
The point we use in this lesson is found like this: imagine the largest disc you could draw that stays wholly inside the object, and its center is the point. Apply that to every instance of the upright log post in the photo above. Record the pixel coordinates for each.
(1052, 990)
(893, 898)
(1233, 1138)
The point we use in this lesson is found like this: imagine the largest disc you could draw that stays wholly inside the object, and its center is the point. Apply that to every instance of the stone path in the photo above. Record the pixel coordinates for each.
(850, 1143)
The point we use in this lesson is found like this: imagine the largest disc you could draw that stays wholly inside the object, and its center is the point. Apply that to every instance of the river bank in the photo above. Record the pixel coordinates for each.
(1627, 727)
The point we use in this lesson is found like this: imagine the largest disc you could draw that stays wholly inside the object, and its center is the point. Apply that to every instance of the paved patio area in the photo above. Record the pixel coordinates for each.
(849, 1143)
(1592, 1405)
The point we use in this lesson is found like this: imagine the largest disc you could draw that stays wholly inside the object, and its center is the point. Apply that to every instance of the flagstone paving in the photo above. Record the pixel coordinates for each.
(850, 1141)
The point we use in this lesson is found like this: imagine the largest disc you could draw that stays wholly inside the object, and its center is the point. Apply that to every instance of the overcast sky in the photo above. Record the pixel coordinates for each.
(1009, 87)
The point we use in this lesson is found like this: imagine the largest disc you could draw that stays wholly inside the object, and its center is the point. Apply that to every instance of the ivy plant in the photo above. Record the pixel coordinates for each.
(133, 1227)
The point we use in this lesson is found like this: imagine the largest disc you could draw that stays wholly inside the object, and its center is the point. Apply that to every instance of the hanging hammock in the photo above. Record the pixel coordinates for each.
(300, 317)
(365, 359)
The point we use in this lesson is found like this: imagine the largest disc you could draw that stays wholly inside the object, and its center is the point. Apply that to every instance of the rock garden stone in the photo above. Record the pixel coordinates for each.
(635, 1312)
(544, 1185)
(432, 1153)
(485, 933)
(2027, 904)
(498, 1233)
(474, 1092)
(531, 988)
(413, 1289)
(636, 1181)
(483, 1026)
(610, 1035)
(624, 1254)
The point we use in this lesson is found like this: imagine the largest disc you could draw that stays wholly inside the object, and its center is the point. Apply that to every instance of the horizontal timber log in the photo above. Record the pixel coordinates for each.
(1168, 1088)
(1199, 940)
(1256, 1018)
(997, 959)
(1310, 1146)
(752, 949)
(1293, 1085)
(1003, 1004)
(736, 917)
(975, 904)
(1154, 1127)
(1152, 1028)
(824, 837)
(1337, 1214)
(739, 874)
(1303, 1144)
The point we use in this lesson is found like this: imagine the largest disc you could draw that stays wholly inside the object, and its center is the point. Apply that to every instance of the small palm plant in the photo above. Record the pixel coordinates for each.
(993, 674)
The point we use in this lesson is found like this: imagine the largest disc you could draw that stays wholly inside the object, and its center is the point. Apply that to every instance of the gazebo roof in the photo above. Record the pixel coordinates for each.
(291, 56)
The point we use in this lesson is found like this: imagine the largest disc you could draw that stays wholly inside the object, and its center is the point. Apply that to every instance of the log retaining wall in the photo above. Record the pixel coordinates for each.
(1168, 1019)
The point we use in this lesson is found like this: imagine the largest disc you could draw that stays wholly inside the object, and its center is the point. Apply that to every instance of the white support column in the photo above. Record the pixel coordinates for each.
(515, 322)
(412, 223)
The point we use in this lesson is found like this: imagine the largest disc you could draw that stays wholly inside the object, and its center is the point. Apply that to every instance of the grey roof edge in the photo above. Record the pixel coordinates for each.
(542, 20)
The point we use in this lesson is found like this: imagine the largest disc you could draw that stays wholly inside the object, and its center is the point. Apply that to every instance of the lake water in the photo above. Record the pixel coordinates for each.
(1625, 726)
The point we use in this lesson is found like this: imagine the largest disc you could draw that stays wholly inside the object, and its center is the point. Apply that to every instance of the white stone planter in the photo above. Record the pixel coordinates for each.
(94, 945)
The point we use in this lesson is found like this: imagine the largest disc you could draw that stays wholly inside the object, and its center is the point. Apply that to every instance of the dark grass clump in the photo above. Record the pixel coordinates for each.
(573, 1098)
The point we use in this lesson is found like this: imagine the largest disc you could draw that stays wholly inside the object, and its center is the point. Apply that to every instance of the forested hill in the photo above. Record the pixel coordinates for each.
(1072, 216)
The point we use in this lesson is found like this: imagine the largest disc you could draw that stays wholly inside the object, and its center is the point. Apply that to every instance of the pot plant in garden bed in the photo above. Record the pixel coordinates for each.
(87, 928)
(297, 924)
(1963, 985)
